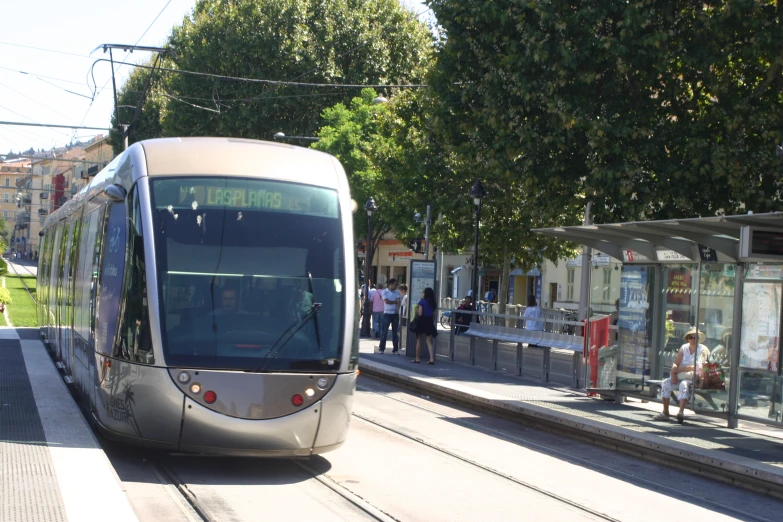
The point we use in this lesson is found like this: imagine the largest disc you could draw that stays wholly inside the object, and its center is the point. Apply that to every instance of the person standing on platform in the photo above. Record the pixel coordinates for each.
(403, 289)
(391, 316)
(377, 309)
(425, 327)
(533, 311)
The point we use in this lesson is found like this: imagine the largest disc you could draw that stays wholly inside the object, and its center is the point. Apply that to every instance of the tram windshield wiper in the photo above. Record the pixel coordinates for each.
(315, 317)
(289, 334)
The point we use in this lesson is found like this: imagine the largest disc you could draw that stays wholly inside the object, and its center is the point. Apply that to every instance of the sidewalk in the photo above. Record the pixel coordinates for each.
(746, 457)
(52, 467)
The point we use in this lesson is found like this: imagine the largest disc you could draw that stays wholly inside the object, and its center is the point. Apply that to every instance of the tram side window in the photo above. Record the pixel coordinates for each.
(135, 338)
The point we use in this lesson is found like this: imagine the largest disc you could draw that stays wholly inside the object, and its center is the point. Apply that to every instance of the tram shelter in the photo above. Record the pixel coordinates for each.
(722, 273)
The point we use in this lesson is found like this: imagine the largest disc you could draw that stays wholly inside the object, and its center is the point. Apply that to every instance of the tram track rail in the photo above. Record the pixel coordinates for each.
(741, 514)
(487, 469)
(197, 513)
(13, 266)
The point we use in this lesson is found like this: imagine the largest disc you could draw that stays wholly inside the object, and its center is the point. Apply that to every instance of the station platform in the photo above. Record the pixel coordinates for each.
(51, 466)
(750, 456)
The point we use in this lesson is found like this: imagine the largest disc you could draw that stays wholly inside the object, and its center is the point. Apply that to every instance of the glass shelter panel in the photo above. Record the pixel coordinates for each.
(635, 326)
(679, 291)
(759, 357)
(602, 356)
(716, 313)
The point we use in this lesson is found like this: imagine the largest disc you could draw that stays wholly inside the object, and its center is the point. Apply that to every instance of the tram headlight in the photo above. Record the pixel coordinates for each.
(183, 377)
(322, 383)
(195, 388)
(309, 392)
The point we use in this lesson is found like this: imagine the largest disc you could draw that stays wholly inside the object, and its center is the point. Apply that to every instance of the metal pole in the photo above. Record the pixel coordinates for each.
(474, 283)
(114, 85)
(427, 234)
(739, 270)
(584, 292)
(366, 311)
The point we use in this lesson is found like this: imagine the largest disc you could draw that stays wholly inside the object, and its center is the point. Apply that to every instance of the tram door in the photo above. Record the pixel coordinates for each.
(84, 297)
(54, 288)
(66, 286)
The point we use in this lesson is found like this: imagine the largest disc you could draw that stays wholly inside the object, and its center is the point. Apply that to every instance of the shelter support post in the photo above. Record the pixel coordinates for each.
(735, 347)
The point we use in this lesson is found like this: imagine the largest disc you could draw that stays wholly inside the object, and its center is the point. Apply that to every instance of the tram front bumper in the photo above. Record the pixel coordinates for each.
(208, 432)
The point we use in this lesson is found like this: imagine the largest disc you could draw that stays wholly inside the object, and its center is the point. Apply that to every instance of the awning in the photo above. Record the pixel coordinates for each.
(671, 240)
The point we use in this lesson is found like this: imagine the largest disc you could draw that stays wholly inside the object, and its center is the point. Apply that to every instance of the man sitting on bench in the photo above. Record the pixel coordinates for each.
(463, 321)
(690, 358)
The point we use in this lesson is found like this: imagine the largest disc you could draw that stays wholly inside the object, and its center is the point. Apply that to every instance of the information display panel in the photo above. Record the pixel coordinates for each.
(760, 338)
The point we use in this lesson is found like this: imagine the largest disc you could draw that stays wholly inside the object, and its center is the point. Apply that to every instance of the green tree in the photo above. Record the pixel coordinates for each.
(648, 109)
(392, 154)
(336, 42)
(348, 133)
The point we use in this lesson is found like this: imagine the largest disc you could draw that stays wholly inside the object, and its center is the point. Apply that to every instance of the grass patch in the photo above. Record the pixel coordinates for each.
(2, 320)
(22, 310)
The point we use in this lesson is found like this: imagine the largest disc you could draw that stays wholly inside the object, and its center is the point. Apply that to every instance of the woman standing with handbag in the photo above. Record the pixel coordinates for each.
(425, 324)
(689, 361)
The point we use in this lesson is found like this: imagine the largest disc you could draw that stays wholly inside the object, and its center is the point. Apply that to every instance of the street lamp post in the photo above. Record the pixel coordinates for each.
(427, 221)
(369, 207)
(478, 194)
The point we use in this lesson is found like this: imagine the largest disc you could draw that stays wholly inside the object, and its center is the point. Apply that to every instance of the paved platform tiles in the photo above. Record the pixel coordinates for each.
(700, 439)
(51, 466)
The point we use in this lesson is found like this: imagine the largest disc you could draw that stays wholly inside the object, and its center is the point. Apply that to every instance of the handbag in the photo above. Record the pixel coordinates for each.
(713, 377)
(413, 324)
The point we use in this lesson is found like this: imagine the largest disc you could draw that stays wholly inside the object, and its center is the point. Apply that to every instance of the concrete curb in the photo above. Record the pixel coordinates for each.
(736, 470)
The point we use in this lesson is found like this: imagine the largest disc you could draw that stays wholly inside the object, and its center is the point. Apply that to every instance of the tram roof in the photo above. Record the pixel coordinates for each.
(238, 157)
(209, 156)
(667, 240)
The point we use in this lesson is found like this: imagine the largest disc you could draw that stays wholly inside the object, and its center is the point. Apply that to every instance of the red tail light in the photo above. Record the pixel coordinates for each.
(210, 397)
(297, 400)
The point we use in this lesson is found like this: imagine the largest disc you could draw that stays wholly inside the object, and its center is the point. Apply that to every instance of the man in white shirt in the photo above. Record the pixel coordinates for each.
(391, 316)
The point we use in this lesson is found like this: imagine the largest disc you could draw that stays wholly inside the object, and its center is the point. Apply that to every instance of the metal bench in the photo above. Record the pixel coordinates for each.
(574, 343)
(534, 339)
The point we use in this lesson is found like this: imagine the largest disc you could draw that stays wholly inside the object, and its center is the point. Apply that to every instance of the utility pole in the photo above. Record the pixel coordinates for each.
(121, 128)
(427, 234)
(584, 292)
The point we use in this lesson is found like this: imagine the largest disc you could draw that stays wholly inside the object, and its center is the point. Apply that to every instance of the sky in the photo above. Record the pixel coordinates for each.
(46, 50)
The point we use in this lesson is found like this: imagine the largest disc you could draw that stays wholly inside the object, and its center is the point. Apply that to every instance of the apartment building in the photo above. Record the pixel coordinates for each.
(11, 171)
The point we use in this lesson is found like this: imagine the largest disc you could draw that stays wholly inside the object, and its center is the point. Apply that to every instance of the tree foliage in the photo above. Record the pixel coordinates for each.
(348, 133)
(646, 108)
(391, 153)
(314, 41)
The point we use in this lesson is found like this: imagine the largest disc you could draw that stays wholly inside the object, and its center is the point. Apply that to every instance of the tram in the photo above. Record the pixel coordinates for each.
(199, 295)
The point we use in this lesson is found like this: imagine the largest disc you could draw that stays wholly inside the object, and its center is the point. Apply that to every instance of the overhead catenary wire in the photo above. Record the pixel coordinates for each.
(46, 50)
(34, 100)
(273, 82)
(39, 76)
(52, 125)
(97, 93)
(33, 124)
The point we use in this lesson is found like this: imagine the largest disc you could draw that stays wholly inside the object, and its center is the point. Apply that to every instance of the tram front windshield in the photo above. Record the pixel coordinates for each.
(251, 274)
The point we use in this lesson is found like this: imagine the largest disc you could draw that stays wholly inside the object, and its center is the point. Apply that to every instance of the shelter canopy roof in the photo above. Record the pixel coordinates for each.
(667, 240)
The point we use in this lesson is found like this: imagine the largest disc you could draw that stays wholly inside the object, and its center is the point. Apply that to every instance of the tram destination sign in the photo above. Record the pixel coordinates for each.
(245, 195)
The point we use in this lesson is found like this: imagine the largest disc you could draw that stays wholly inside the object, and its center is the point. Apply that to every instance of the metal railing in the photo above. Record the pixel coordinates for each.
(544, 363)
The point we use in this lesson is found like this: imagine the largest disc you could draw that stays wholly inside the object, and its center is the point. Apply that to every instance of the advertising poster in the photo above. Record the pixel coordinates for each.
(760, 340)
(422, 276)
(633, 327)
(678, 292)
